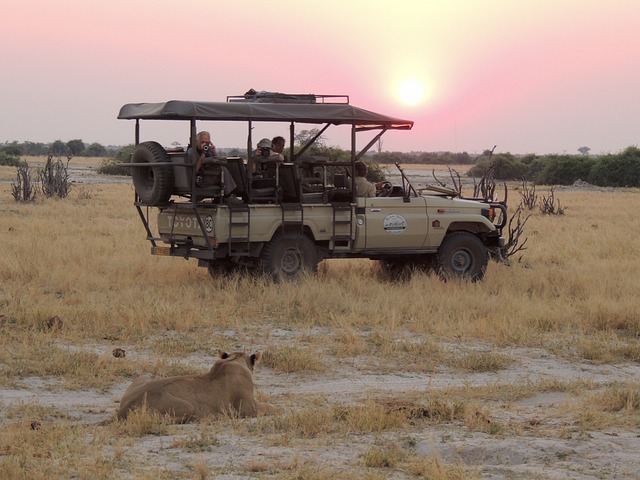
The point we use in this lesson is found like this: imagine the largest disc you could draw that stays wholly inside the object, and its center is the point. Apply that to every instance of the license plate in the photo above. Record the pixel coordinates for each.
(162, 251)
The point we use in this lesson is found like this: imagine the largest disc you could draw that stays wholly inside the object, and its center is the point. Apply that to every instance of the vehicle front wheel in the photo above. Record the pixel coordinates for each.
(289, 256)
(462, 255)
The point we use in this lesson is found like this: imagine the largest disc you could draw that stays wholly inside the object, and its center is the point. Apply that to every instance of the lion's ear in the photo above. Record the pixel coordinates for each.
(222, 355)
(255, 358)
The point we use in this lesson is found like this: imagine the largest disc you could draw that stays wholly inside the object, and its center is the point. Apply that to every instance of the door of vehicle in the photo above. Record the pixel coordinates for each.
(392, 223)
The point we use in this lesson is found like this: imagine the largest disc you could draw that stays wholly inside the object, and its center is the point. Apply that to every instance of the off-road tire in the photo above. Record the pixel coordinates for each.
(461, 255)
(289, 256)
(402, 268)
(153, 184)
(222, 268)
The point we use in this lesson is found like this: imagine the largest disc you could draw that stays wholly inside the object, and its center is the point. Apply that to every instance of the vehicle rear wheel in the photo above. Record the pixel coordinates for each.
(222, 267)
(461, 255)
(289, 256)
(153, 184)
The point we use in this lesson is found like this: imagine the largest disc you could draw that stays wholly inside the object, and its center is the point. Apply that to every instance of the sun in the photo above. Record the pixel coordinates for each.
(411, 92)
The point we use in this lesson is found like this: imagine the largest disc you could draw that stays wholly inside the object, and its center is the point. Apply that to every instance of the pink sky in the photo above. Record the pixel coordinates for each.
(543, 76)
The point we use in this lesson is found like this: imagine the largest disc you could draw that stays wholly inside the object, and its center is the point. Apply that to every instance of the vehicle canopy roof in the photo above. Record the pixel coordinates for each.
(335, 114)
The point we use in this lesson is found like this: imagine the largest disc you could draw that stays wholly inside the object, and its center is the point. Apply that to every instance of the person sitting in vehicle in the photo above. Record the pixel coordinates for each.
(364, 188)
(206, 149)
(266, 150)
(278, 145)
(264, 155)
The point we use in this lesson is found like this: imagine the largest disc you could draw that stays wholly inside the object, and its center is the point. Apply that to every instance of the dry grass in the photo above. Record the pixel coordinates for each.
(85, 261)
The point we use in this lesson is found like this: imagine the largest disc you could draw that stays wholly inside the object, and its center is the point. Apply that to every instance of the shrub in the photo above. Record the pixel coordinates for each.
(113, 166)
(110, 166)
(95, 150)
(11, 150)
(375, 172)
(564, 169)
(54, 178)
(24, 189)
(10, 160)
(507, 167)
(621, 170)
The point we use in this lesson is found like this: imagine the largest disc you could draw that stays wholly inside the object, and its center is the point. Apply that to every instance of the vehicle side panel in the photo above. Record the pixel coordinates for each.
(263, 220)
(446, 214)
(391, 223)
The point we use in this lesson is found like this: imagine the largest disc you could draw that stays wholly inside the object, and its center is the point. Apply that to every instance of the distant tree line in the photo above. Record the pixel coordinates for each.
(610, 170)
(425, 158)
(76, 148)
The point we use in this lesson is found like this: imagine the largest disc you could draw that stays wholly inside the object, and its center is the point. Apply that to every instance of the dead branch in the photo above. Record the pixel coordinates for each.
(23, 189)
(515, 228)
(433, 174)
(486, 187)
(456, 180)
(548, 204)
(528, 194)
(54, 177)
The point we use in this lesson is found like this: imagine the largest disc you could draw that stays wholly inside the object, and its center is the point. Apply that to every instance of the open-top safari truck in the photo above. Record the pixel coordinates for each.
(305, 209)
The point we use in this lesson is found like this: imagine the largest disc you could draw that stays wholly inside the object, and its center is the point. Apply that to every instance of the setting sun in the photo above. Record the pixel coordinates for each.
(411, 92)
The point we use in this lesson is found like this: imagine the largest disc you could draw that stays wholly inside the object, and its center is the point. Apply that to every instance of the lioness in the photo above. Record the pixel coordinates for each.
(226, 389)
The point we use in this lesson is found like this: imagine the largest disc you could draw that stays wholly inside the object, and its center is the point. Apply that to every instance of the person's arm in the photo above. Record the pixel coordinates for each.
(199, 162)
(276, 156)
(213, 153)
(192, 154)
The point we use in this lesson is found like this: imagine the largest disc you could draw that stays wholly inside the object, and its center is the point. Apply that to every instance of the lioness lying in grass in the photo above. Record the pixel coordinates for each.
(226, 389)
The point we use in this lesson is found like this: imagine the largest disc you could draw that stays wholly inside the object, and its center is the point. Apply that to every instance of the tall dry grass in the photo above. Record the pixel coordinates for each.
(85, 260)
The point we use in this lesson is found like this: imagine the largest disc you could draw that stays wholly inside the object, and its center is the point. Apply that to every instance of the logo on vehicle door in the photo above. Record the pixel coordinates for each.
(394, 223)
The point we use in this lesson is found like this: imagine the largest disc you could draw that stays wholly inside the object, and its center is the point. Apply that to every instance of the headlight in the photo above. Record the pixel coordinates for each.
(489, 213)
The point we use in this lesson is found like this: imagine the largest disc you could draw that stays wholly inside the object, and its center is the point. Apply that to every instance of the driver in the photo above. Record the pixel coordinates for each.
(364, 188)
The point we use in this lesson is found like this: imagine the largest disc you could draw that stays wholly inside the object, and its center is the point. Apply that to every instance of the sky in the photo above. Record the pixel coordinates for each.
(529, 76)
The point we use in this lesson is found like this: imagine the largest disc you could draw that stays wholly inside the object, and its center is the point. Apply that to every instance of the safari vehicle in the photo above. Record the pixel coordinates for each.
(304, 210)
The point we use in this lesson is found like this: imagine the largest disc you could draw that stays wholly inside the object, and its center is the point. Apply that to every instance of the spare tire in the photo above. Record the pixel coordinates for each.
(154, 183)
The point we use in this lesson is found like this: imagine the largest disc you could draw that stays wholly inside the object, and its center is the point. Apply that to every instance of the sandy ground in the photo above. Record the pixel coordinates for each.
(547, 443)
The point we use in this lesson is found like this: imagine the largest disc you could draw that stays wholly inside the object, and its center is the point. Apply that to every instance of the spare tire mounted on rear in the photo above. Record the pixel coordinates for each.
(154, 183)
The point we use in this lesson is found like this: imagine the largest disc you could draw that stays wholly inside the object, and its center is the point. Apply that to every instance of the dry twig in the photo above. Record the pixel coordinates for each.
(548, 204)
(23, 189)
(515, 230)
(528, 194)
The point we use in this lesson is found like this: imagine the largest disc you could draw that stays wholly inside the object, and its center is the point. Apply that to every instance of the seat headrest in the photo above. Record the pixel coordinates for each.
(340, 180)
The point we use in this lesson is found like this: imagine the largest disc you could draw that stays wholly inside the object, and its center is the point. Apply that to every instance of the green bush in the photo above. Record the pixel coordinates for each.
(621, 170)
(113, 166)
(110, 166)
(11, 149)
(95, 150)
(564, 169)
(124, 154)
(9, 160)
(507, 167)
(376, 172)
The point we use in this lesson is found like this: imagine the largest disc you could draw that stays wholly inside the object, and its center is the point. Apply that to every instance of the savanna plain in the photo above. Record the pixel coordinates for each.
(532, 373)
